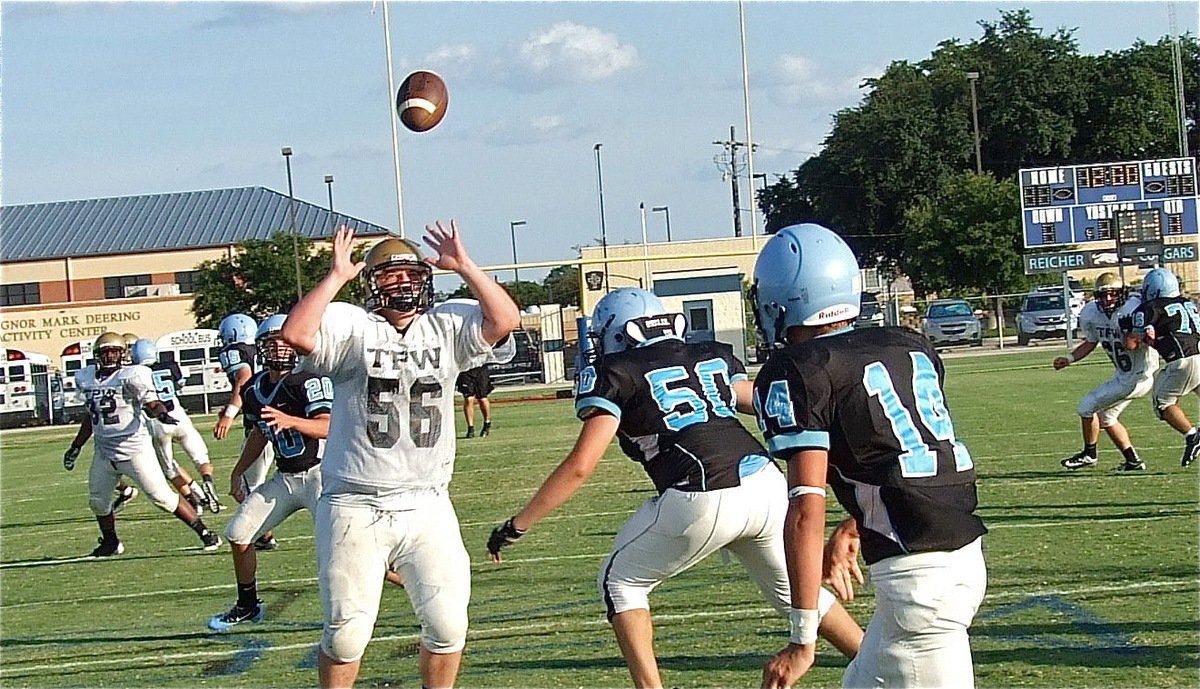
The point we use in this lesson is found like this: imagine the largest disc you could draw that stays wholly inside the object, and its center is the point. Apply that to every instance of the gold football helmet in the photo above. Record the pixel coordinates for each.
(109, 351)
(130, 339)
(1109, 292)
(397, 277)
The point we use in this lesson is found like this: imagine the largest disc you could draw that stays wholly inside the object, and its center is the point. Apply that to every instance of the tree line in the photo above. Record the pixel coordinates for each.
(896, 175)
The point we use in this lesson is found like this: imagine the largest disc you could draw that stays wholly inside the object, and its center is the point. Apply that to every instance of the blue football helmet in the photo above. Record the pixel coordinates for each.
(144, 352)
(273, 352)
(628, 317)
(237, 327)
(1160, 282)
(805, 275)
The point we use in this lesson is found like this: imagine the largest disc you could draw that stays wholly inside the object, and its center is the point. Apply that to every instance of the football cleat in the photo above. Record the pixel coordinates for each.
(123, 497)
(1078, 460)
(108, 548)
(235, 616)
(1191, 449)
(266, 543)
(470, 432)
(211, 540)
(487, 428)
(210, 496)
(1131, 466)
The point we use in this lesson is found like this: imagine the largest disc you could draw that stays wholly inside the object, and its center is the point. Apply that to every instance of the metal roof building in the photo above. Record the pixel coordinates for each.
(70, 270)
(159, 222)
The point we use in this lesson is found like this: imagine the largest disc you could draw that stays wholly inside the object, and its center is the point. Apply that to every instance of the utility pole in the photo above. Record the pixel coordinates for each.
(731, 166)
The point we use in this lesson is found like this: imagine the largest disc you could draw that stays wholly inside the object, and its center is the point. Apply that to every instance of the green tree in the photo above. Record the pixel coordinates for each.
(562, 285)
(966, 237)
(260, 279)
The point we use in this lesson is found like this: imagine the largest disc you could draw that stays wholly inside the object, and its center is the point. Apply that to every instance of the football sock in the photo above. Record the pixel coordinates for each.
(1131, 455)
(248, 595)
(1089, 449)
(195, 488)
(198, 526)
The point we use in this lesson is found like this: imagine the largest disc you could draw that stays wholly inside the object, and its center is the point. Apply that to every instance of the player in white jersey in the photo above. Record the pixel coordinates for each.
(168, 379)
(384, 503)
(1133, 377)
(116, 398)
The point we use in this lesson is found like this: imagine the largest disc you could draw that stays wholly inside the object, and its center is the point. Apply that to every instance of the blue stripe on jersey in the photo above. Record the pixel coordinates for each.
(787, 443)
(325, 407)
(598, 402)
(738, 377)
(751, 464)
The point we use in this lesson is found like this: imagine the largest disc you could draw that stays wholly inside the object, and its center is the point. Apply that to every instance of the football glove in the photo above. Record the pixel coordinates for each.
(505, 534)
(69, 458)
(166, 418)
(1125, 323)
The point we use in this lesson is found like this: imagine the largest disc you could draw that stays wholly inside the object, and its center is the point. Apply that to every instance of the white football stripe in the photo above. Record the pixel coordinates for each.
(421, 103)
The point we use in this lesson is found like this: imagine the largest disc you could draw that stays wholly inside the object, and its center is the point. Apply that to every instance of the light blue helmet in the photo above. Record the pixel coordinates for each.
(273, 352)
(805, 275)
(1160, 282)
(626, 317)
(237, 327)
(144, 352)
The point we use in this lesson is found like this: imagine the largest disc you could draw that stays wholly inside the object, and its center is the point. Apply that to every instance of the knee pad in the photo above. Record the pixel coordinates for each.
(620, 595)
(100, 505)
(444, 628)
(345, 642)
(166, 503)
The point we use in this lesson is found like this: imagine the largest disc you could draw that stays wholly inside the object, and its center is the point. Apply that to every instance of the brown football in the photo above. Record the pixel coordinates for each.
(421, 101)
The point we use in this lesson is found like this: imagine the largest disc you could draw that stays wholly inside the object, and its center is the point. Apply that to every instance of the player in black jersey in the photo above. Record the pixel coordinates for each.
(238, 357)
(869, 405)
(1170, 323)
(290, 409)
(673, 408)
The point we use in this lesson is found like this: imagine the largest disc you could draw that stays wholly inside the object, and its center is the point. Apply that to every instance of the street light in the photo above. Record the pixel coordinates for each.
(666, 212)
(645, 244)
(972, 77)
(286, 151)
(512, 228)
(603, 231)
(329, 186)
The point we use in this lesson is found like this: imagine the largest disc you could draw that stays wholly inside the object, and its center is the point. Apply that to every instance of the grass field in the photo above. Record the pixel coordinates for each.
(1093, 577)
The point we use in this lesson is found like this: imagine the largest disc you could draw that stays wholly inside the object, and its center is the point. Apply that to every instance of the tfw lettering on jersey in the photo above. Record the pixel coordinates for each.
(423, 358)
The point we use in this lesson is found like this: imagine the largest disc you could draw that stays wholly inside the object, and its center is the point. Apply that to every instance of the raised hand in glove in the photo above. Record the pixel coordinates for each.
(69, 458)
(503, 535)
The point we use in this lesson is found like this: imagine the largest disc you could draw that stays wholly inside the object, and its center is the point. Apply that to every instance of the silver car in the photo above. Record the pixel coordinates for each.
(1042, 316)
(952, 321)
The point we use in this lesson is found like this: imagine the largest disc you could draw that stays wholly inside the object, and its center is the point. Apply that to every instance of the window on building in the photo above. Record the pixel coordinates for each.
(114, 287)
(22, 293)
(186, 281)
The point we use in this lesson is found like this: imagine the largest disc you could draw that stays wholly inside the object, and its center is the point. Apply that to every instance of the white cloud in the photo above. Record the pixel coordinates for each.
(798, 80)
(457, 59)
(570, 52)
(541, 129)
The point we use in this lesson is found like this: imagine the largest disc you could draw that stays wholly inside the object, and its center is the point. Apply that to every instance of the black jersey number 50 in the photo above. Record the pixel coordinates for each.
(424, 415)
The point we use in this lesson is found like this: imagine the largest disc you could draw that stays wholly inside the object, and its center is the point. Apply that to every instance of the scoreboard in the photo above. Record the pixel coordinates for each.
(1075, 204)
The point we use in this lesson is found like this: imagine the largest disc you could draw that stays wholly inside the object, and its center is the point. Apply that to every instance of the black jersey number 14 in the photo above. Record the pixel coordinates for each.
(383, 412)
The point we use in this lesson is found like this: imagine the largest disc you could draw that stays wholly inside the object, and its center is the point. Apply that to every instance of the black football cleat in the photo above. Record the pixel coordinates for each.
(108, 548)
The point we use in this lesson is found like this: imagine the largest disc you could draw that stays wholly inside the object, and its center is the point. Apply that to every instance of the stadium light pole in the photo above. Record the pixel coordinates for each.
(603, 230)
(329, 187)
(645, 244)
(286, 151)
(973, 77)
(666, 211)
(512, 228)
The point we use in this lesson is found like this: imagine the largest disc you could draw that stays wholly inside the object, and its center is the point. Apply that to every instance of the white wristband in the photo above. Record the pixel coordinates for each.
(1070, 358)
(804, 625)
(231, 411)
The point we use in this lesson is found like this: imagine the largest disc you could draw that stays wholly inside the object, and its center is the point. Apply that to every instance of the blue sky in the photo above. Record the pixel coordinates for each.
(112, 99)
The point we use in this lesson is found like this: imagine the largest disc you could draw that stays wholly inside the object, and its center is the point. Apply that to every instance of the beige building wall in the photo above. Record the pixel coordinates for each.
(49, 328)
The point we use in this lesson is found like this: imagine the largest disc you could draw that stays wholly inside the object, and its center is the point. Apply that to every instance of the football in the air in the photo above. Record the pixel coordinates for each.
(421, 101)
